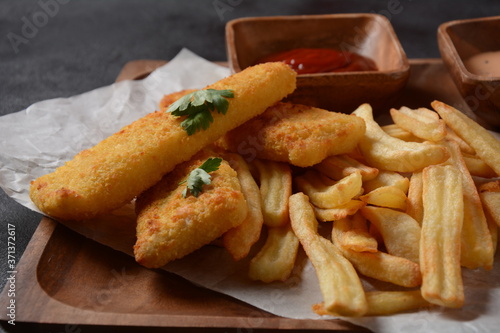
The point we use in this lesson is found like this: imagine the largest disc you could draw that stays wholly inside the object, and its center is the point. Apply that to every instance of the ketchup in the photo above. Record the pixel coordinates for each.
(322, 60)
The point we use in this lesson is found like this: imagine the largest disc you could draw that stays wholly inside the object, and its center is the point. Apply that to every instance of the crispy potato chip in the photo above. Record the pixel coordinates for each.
(275, 188)
(477, 249)
(422, 123)
(239, 240)
(440, 239)
(486, 146)
(386, 196)
(385, 152)
(339, 283)
(400, 232)
(276, 259)
(340, 166)
(328, 193)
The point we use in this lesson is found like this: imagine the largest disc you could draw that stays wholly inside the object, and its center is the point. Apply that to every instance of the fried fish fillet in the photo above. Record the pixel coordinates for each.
(170, 226)
(116, 170)
(297, 134)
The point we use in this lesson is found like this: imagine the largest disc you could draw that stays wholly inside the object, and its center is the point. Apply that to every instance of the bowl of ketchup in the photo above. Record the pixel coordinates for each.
(470, 49)
(342, 60)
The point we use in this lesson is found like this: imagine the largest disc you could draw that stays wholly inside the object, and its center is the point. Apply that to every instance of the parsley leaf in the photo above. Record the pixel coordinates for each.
(198, 105)
(199, 176)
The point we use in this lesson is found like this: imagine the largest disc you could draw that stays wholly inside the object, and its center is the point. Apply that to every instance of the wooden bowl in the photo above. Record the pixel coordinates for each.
(370, 35)
(461, 40)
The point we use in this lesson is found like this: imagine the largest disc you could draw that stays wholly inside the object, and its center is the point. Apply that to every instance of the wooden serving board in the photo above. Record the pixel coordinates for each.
(67, 278)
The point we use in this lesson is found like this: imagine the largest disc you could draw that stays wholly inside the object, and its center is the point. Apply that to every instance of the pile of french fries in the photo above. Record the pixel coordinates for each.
(413, 206)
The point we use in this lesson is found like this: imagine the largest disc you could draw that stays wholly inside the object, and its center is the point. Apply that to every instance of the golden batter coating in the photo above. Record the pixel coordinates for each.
(297, 134)
(170, 226)
(116, 170)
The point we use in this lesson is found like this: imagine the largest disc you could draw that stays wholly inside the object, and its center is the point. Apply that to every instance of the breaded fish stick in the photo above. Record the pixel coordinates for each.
(119, 168)
(170, 226)
(298, 134)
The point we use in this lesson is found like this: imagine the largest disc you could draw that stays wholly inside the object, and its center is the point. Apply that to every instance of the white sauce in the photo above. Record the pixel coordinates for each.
(485, 64)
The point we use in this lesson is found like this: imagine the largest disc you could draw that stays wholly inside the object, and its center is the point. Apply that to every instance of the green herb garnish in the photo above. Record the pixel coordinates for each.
(199, 176)
(198, 105)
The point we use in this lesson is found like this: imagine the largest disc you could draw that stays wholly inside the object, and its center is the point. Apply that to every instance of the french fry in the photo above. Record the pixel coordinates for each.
(494, 233)
(421, 112)
(477, 249)
(378, 265)
(339, 212)
(354, 234)
(327, 193)
(276, 259)
(464, 146)
(414, 206)
(386, 267)
(375, 233)
(486, 146)
(275, 187)
(490, 197)
(384, 303)
(440, 239)
(399, 133)
(400, 232)
(386, 196)
(339, 166)
(339, 283)
(385, 152)
(422, 122)
(387, 178)
(477, 167)
(239, 240)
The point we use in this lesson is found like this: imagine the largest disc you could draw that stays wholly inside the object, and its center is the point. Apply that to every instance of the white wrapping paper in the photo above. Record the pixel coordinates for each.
(36, 140)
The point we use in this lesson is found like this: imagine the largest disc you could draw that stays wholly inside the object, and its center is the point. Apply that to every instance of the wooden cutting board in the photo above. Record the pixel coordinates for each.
(68, 277)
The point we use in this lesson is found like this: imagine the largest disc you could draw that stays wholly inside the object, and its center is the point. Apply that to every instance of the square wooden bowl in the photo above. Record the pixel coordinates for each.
(462, 41)
(370, 35)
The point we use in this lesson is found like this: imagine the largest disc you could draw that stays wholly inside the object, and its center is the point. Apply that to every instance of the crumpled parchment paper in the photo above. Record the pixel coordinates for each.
(36, 140)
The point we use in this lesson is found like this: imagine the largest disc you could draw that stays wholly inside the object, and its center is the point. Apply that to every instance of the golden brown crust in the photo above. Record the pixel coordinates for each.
(170, 226)
(119, 168)
(297, 134)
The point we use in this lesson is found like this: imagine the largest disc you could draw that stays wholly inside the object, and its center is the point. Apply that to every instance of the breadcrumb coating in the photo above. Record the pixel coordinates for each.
(170, 226)
(116, 170)
(297, 134)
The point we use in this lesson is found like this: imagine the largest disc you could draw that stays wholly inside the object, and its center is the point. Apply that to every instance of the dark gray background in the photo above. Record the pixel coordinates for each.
(83, 45)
